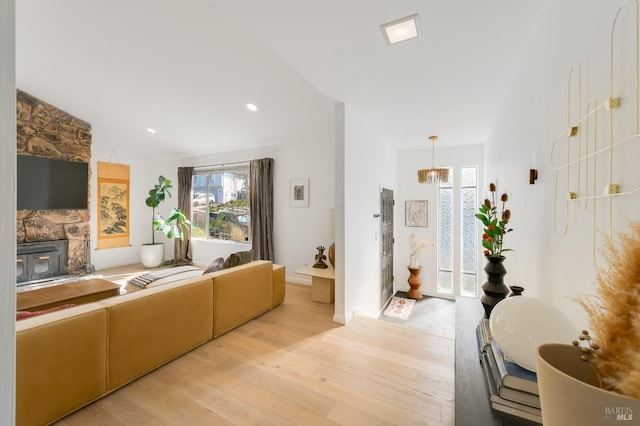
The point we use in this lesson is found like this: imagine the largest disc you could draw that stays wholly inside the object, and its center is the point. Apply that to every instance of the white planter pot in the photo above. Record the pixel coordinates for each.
(568, 395)
(152, 255)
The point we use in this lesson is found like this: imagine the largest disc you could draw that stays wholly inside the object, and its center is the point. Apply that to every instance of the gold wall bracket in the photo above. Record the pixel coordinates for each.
(612, 103)
(574, 131)
(611, 189)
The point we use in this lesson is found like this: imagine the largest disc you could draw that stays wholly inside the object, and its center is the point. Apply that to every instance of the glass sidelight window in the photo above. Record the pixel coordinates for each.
(457, 233)
(468, 231)
(446, 228)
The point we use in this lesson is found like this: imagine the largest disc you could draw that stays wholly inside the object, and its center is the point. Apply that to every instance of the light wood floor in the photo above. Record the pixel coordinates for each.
(293, 365)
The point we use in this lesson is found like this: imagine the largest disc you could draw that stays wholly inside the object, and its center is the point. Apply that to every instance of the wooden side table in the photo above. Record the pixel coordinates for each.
(76, 292)
(414, 282)
(322, 283)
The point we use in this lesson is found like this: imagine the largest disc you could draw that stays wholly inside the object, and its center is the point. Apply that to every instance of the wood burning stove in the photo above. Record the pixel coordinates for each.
(41, 260)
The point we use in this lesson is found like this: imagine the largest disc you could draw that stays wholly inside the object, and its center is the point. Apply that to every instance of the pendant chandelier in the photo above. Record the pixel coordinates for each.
(433, 175)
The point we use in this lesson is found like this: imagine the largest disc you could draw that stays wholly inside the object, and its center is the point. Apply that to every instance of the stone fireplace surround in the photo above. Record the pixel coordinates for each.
(46, 131)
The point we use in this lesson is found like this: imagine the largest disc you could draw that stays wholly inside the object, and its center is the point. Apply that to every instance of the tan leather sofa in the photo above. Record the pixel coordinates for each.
(70, 358)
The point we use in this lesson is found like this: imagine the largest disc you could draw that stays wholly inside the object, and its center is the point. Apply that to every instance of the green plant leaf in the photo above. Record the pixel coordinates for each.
(483, 219)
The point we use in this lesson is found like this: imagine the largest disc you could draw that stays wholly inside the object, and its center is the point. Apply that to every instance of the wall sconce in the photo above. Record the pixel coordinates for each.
(533, 169)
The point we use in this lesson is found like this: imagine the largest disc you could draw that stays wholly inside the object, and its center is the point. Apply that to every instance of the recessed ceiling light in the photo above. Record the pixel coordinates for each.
(252, 107)
(401, 29)
(150, 130)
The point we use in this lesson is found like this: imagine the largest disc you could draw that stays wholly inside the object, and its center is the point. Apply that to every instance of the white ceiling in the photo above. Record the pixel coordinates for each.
(188, 67)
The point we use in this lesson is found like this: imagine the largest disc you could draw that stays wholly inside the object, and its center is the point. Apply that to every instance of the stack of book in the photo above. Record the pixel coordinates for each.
(512, 389)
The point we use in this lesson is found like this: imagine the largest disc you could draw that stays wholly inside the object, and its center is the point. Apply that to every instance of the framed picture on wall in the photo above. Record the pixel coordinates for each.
(415, 213)
(300, 192)
(113, 205)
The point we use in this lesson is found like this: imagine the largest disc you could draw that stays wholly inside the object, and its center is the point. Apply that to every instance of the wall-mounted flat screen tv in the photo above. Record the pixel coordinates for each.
(48, 184)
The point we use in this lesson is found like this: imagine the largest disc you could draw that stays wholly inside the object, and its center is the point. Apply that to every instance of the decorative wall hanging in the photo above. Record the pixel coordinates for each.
(299, 192)
(595, 142)
(113, 201)
(415, 213)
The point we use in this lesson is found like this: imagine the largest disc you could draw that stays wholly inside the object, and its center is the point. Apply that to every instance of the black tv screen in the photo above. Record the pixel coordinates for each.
(48, 184)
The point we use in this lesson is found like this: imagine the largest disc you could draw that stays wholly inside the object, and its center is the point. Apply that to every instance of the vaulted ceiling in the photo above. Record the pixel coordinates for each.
(187, 68)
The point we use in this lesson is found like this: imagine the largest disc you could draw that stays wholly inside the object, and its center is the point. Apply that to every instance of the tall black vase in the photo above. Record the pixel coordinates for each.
(494, 289)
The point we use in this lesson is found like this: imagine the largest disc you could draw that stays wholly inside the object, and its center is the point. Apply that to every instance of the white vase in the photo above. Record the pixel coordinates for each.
(569, 394)
(152, 255)
(414, 261)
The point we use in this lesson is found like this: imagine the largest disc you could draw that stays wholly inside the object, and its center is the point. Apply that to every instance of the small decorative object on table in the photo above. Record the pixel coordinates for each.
(495, 227)
(494, 288)
(516, 290)
(320, 258)
(332, 254)
(414, 267)
(414, 282)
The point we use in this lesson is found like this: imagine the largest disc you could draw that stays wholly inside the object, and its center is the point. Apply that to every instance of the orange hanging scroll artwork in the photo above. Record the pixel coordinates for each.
(113, 205)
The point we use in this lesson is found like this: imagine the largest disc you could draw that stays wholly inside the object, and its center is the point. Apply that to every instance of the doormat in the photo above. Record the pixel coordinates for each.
(399, 307)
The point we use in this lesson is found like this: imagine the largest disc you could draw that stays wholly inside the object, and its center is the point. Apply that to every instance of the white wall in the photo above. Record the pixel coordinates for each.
(297, 231)
(409, 162)
(7, 214)
(370, 164)
(144, 169)
(549, 264)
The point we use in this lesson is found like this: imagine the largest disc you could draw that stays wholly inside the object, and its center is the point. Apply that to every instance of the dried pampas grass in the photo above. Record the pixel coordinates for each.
(615, 314)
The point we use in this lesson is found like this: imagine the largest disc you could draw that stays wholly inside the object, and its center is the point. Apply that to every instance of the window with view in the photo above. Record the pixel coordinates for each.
(220, 203)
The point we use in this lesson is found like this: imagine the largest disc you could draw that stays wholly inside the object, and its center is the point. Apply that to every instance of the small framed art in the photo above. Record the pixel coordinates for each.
(415, 213)
(300, 192)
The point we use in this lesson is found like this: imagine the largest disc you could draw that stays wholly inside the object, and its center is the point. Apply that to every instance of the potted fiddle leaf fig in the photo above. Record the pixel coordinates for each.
(157, 195)
(152, 254)
(173, 226)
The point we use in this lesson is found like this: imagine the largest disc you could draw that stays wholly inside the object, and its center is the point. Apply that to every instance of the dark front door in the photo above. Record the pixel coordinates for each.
(386, 245)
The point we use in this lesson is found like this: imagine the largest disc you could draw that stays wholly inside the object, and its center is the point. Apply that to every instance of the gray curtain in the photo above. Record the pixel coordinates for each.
(182, 248)
(261, 206)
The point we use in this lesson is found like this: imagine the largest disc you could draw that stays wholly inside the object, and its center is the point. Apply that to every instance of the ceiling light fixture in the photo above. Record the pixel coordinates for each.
(150, 130)
(433, 175)
(402, 29)
(252, 107)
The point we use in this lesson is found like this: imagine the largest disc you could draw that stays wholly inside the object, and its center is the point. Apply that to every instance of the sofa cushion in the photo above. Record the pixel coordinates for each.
(151, 327)
(214, 266)
(241, 294)
(239, 258)
(60, 363)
